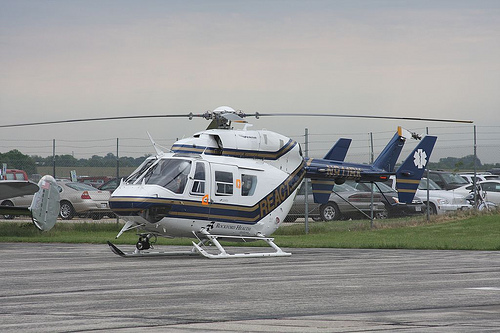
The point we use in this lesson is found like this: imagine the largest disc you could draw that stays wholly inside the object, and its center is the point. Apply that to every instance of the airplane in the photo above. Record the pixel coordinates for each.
(44, 207)
(227, 184)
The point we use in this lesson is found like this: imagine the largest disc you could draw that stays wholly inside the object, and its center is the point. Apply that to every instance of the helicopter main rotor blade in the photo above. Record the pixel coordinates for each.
(257, 115)
(210, 115)
(190, 116)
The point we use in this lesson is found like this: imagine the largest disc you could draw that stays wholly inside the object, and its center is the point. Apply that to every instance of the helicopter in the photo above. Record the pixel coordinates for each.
(227, 184)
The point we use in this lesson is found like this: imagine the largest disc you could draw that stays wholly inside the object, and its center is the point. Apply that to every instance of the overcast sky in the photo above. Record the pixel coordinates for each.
(73, 59)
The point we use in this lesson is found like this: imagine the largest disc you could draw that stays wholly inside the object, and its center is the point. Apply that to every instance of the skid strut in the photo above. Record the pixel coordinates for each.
(223, 253)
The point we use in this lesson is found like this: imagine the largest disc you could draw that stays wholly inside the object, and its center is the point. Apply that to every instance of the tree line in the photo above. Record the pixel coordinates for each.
(17, 160)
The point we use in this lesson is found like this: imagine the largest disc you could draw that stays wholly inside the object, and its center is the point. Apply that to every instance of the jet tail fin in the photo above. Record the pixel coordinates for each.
(410, 172)
(339, 150)
(389, 156)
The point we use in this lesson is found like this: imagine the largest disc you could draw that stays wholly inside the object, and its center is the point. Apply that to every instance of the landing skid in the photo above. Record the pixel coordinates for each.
(147, 253)
(199, 249)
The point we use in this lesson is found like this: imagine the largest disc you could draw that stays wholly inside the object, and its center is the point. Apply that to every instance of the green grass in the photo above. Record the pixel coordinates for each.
(466, 231)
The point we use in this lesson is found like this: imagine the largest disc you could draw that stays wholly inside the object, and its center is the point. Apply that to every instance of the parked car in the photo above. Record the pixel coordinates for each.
(480, 176)
(14, 174)
(110, 185)
(390, 199)
(490, 188)
(345, 201)
(440, 201)
(446, 180)
(83, 200)
(22, 201)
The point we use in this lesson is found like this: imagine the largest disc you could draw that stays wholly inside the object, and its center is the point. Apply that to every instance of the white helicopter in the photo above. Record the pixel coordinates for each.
(226, 184)
(239, 185)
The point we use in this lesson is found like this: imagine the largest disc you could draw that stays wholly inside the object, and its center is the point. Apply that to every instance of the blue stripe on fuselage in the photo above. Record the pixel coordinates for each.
(191, 149)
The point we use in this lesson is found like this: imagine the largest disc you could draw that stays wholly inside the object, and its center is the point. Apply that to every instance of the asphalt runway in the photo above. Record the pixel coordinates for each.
(87, 288)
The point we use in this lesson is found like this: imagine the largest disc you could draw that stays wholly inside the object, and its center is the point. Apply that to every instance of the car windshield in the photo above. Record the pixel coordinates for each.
(344, 188)
(382, 187)
(378, 187)
(432, 185)
(80, 187)
(337, 188)
(453, 178)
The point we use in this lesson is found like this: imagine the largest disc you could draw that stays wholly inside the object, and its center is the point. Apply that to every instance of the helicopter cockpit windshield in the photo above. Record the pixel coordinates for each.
(140, 170)
(169, 173)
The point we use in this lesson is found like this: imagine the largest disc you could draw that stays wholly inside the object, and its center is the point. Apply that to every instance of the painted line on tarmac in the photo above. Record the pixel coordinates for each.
(486, 288)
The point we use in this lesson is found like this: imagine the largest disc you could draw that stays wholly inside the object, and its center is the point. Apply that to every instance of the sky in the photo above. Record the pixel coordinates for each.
(69, 59)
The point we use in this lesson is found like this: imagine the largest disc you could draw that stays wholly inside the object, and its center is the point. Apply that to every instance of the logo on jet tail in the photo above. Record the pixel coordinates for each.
(420, 158)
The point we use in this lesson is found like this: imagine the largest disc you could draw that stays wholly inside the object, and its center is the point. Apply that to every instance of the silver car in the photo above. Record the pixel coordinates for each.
(344, 202)
(83, 200)
(20, 201)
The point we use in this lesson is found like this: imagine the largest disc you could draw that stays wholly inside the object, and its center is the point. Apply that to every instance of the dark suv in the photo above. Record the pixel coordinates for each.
(447, 180)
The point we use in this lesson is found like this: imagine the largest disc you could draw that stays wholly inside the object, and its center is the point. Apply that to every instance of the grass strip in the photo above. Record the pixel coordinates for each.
(463, 231)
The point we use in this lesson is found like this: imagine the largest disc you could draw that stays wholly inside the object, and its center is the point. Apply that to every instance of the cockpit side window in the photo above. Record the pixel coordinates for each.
(169, 173)
(248, 185)
(199, 179)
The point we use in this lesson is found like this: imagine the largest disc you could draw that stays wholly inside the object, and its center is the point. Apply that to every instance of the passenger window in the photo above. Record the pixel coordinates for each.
(248, 185)
(223, 183)
(199, 179)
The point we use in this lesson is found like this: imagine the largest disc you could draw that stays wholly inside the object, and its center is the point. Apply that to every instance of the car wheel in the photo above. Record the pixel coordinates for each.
(432, 209)
(67, 211)
(383, 214)
(329, 212)
(290, 218)
(10, 204)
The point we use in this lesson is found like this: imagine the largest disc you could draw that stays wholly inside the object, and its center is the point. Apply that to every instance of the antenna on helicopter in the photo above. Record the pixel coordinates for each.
(155, 145)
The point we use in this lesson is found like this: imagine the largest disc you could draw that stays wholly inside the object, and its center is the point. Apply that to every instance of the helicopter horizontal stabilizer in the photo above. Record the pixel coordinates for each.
(45, 205)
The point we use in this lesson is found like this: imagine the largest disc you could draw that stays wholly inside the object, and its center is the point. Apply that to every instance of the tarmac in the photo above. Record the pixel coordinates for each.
(87, 288)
